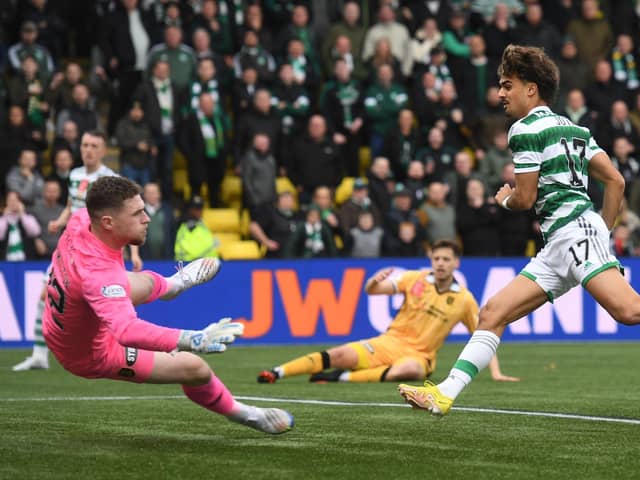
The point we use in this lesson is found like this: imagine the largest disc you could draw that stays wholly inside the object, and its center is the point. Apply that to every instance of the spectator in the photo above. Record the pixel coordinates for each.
(499, 32)
(254, 55)
(59, 93)
(409, 243)
(259, 171)
(365, 239)
(477, 221)
(382, 56)
(439, 10)
(312, 238)
(205, 81)
(161, 228)
(272, 225)
(348, 27)
(626, 164)
(244, 92)
(451, 117)
(617, 124)
(204, 142)
(342, 50)
(480, 74)
(592, 34)
(193, 238)
(634, 115)
(323, 198)
(358, 202)
(69, 140)
(124, 41)
(24, 178)
(383, 102)
(62, 165)
(161, 99)
(202, 48)
(457, 179)
(291, 102)
(402, 144)
(415, 183)
(50, 24)
(299, 29)
(380, 178)
(28, 47)
(81, 112)
(437, 217)
(315, 160)
(27, 90)
(341, 104)
(494, 161)
(397, 34)
(18, 231)
(400, 212)
(425, 96)
(137, 151)
(217, 25)
(576, 110)
(573, 72)
(535, 31)
(303, 72)
(455, 42)
(180, 57)
(436, 156)
(16, 136)
(262, 118)
(424, 41)
(46, 209)
(254, 21)
(603, 91)
(625, 65)
(491, 119)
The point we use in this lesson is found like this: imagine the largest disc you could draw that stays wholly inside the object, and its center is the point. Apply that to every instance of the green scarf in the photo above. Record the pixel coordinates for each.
(212, 132)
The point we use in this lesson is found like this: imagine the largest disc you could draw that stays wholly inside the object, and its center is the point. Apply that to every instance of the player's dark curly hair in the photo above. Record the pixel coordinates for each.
(531, 64)
(109, 193)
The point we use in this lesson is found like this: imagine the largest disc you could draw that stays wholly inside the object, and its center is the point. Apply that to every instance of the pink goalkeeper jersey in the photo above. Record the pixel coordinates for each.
(88, 308)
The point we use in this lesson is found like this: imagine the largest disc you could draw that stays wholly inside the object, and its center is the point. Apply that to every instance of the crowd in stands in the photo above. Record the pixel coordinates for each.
(396, 100)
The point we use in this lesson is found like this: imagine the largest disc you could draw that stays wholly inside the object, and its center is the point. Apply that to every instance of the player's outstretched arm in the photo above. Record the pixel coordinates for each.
(601, 169)
(380, 284)
(497, 374)
(213, 339)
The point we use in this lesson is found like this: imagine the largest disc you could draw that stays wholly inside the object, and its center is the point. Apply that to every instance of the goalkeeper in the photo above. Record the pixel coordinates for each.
(90, 323)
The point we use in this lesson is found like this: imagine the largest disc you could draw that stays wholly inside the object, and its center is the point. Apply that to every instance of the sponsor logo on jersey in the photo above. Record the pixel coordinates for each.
(114, 291)
(131, 354)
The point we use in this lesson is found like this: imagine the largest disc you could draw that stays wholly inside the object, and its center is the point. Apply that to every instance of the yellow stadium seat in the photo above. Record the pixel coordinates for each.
(245, 219)
(231, 191)
(181, 183)
(365, 160)
(225, 238)
(241, 250)
(179, 160)
(343, 192)
(221, 219)
(283, 184)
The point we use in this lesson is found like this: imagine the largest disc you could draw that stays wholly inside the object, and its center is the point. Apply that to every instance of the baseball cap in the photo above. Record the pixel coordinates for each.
(359, 183)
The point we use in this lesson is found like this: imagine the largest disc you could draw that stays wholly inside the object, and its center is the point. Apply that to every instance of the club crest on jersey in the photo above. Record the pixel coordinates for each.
(450, 300)
(114, 291)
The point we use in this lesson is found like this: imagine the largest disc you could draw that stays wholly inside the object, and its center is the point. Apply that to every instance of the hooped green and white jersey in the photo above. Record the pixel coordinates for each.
(560, 151)
(80, 181)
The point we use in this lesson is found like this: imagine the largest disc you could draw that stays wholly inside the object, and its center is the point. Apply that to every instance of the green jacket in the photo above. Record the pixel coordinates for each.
(182, 61)
(382, 106)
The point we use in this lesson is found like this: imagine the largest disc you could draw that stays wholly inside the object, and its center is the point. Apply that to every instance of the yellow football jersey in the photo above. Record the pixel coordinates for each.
(427, 316)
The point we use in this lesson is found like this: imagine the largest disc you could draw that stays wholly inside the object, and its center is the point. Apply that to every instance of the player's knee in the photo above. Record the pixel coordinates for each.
(488, 317)
(195, 370)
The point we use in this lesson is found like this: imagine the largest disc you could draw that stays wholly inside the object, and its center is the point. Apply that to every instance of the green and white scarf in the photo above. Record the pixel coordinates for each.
(212, 133)
(196, 90)
(15, 248)
(624, 69)
(313, 243)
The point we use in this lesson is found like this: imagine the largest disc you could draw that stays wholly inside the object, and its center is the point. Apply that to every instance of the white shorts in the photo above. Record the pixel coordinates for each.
(573, 255)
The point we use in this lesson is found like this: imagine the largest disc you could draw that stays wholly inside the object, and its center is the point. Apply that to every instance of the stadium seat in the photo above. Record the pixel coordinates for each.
(343, 192)
(365, 160)
(240, 250)
(283, 184)
(231, 191)
(181, 183)
(245, 219)
(221, 219)
(225, 238)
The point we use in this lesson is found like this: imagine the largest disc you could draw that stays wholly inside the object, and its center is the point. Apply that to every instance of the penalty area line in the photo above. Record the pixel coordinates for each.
(335, 403)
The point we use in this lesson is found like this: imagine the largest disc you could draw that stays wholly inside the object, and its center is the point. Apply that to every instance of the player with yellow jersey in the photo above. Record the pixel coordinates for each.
(434, 303)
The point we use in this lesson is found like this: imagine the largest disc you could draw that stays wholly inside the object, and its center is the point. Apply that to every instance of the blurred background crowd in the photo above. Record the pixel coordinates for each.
(298, 129)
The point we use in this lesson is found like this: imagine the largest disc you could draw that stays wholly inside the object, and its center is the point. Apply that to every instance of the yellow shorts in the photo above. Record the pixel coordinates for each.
(387, 350)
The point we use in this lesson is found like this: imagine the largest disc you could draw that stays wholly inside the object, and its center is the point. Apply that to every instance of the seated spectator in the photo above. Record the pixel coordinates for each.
(323, 199)
(402, 144)
(478, 221)
(81, 112)
(304, 74)
(18, 231)
(315, 160)
(423, 42)
(244, 91)
(400, 212)
(258, 170)
(626, 164)
(27, 89)
(181, 58)
(415, 183)
(603, 91)
(397, 33)
(312, 238)
(439, 68)
(437, 217)
(436, 156)
(457, 179)
(59, 93)
(576, 110)
(291, 102)
(272, 225)
(351, 29)
(357, 203)
(29, 47)
(573, 72)
(409, 243)
(380, 184)
(193, 238)
(24, 178)
(161, 228)
(17, 135)
(253, 55)
(47, 208)
(382, 56)
(494, 160)
(137, 151)
(262, 118)
(617, 124)
(62, 166)
(365, 238)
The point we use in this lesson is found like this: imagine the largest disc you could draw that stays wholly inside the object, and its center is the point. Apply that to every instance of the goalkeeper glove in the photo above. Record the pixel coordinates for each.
(212, 339)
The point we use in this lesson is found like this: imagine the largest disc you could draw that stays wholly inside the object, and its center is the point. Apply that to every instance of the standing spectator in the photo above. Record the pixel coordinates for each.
(478, 222)
(402, 144)
(424, 41)
(323, 199)
(137, 151)
(24, 178)
(573, 72)
(28, 47)
(626, 164)
(193, 238)
(379, 178)
(46, 209)
(499, 32)
(16, 136)
(244, 91)
(494, 161)
(180, 57)
(27, 89)
(315, 160)
(437, 217)
(259, 170)
(18, 231)
(439, 10)
(382, 56)
(161, 227)
(81, 112)
(592, 34)
(312, 238)
(625, 66)
(205, 81)
(160, 99)
(124, 41)
(535, 31)
(451, 117)
(491, 119)
(216, 24)
(401, 211)
(62, 165)
(254, 55)
(272, 225)
(480, 74)
(69, 140)
(299, 29)
(358, 202)
(617, 124)
(303, 72)
(365, 239)
(576, 110)
(342, 50)
(397, 34)
(341, 104)
(291, 102)
(50, 25)
(59, 93)
(415, 183)
(455, 42)
(349, 27)
(202, 47)
(409, 244)
(383, 101)
(254, 21)
(436, 156)
(457, 179)
(262, 118)
(203, 140)
(424, 97)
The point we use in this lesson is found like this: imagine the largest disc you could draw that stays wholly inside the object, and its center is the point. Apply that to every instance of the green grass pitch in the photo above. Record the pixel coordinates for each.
(99, 430)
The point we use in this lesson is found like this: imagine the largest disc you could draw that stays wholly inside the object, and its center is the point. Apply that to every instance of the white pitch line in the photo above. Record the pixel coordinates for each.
(570, 416)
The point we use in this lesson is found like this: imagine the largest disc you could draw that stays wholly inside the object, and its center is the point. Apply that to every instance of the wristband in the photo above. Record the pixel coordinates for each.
(504, 202)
